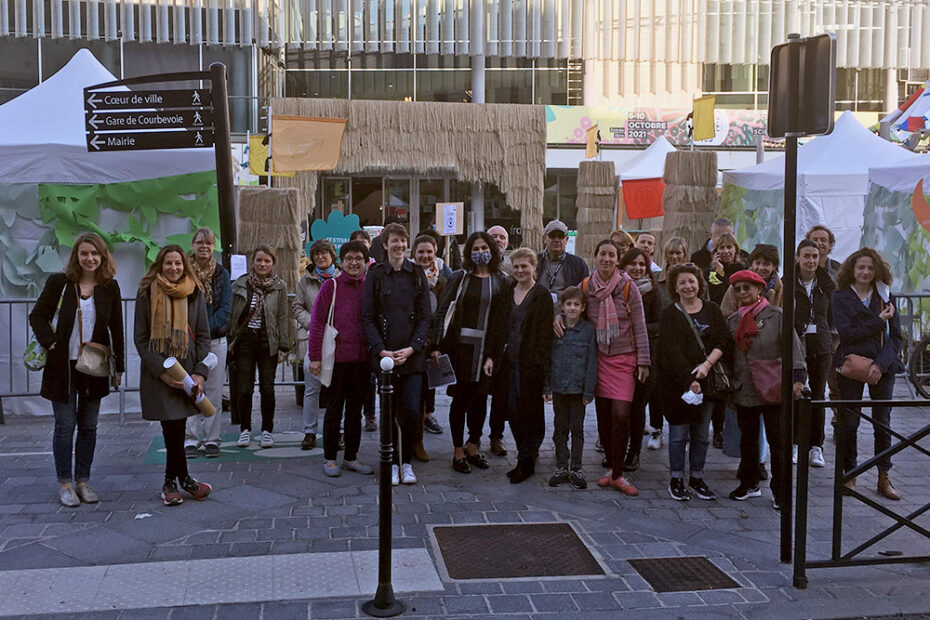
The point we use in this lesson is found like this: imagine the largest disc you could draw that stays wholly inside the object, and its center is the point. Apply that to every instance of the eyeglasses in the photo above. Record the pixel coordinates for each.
(354, 259)
(556, 235)
(743, 287)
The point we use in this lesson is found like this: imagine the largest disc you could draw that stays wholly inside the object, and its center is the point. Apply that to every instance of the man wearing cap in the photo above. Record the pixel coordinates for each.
(499, 234)
(557, 269)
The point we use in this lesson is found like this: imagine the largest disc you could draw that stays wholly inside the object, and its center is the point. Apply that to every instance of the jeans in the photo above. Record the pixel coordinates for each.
(344, 395)
(818, 367)
(80, 413)
(569, 416)
(748, 418)
(849, 421)
(201, 430)
(175, 461)
(467, 404)
(251, 351)
(698, 434)
(312, 406)
(406, 406)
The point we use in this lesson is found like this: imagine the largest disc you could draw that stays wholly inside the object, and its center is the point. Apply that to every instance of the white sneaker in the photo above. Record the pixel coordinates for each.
(407, 475)
(395, 475)
(267, 440)
(794, 455)
(655, 440)
(245, 438)
(816, 457)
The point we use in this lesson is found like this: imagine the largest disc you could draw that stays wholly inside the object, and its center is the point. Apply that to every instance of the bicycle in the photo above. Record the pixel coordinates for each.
(918, 366)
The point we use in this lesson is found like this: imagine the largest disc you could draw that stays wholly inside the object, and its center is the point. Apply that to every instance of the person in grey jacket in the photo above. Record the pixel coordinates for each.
(258, 334)
(322, 268)
(757, 329)
(570, 385)
(171, 321)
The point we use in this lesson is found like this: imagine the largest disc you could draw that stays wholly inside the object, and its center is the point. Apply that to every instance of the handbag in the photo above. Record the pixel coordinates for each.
(35, 355)
(328, 347)
(718, 383)
(766, 378)
(93, 359)
(856, 367)
(450, 312)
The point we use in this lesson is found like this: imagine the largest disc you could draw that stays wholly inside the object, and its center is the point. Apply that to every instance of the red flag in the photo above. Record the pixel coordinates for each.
(643, 198)
(915, 123)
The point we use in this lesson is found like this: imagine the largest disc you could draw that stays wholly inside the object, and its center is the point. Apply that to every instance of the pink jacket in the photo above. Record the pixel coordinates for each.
(633, 337)
(347, 318)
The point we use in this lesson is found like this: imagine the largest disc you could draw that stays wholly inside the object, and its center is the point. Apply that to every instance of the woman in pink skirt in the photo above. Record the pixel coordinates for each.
(615, 307)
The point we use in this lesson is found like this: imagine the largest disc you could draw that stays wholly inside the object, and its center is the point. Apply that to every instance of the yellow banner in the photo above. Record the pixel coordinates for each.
(704, 118)
(306, 143)
(258, 158)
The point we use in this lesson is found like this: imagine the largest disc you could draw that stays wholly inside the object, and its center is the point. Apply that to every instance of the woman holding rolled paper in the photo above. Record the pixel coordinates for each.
(171, 321)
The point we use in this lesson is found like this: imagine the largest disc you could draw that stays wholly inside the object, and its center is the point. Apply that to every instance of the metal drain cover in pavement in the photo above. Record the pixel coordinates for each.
(682, 574)
(514, 551)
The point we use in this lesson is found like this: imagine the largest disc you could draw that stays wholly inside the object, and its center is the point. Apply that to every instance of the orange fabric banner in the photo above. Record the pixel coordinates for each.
(642, 198)
(305, 143)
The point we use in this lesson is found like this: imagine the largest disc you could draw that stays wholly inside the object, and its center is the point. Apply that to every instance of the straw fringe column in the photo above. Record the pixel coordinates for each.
(690, 199)
(493, 143)
(597, 199)
(272, 217)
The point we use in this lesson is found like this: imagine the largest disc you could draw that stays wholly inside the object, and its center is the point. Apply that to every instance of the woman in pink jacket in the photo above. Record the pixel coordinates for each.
(615, 307)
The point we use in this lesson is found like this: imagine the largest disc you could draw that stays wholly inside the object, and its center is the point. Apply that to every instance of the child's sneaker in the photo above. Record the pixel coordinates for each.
(245, 438)
(576, 479)
(701, 489)
(677, 490)
(559, 477)
(267, 440)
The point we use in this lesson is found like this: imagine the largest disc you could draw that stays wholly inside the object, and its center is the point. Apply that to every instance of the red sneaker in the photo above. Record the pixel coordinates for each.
(197, 490)
(171, 495)
(624, 487)
(604, 481)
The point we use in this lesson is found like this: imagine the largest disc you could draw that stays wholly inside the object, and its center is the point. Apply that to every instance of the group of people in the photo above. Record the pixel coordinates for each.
(683, 340)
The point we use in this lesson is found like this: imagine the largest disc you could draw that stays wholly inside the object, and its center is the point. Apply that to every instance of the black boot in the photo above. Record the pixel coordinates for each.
(525, 469)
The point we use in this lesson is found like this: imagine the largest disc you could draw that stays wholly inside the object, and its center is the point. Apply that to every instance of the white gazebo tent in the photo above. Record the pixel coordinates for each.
(833, 181)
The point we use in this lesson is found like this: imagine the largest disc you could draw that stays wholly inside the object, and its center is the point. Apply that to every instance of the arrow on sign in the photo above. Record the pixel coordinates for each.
(96, 142)
(93, 121)
(92, 101)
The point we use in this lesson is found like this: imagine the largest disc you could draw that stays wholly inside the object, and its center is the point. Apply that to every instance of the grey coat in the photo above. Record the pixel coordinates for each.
(766, 345)
(159, 401)
(302, 309)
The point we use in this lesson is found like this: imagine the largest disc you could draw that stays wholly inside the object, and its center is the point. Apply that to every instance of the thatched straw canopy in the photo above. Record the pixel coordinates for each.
(597, 197)
(503, 144)
(690, 199)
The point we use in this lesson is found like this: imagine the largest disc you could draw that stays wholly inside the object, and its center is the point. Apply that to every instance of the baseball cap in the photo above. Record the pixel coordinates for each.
(553, 226)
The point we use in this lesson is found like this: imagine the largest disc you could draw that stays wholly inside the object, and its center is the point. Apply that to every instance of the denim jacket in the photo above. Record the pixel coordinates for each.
(574, 362)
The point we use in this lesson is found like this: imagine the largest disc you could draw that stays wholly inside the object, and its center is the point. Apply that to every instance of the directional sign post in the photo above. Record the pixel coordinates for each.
(179, 118)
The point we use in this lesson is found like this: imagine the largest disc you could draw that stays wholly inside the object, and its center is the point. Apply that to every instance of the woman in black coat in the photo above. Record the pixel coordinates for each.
(518, 349)
(75, 396)
(865, 318)
(683, 365)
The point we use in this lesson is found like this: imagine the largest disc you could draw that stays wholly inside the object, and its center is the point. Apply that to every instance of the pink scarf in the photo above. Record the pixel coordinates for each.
(608, 324)
(747, 330)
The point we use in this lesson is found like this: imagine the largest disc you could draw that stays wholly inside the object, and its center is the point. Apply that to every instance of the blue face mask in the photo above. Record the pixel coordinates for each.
(481, 258)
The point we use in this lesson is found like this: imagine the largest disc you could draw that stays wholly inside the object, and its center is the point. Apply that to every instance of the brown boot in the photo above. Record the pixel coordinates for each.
(497, 447)
(419, 452)
(885, 487)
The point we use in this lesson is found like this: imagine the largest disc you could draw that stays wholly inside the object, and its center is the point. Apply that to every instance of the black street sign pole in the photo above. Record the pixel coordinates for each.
(787, 348)
(225, 190)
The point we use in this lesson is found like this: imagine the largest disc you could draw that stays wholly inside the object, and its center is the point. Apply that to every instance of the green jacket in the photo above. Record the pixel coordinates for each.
(276, 314)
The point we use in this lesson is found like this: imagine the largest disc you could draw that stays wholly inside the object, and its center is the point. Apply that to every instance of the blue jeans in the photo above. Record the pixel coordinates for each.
(82, 413)
(699, 435)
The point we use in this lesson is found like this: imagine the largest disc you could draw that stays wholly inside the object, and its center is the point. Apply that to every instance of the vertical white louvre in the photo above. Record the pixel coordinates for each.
(419, 26)
(492, 19)
(878, 37)
(372, 25)
(402, 26)
(852, 43)
(865, 35)
(647, 26)
(341, 25)
(196, 22)
(310, 18)
(891, 37)
(247, 24)
(448, 27)
(740, 15)
(534, 17)
(578, 19)
(604, 35)
(145, 22)
(549, 20)
(58, 19)
(477, 34)
(326, 24)
(712, 48)
(38, 19)
(110, 19)
(74, 19)
(792, 23)
(229, 23)
(462, 27)
(357, 24)
(432, 26)
(505, 28)
(179, 28)
(622, 26)
(842, 33)
(162, 21)
(213, 22)
(564, 30)
(4, 18)
(925, 45)
(519, 28)
(19, 18)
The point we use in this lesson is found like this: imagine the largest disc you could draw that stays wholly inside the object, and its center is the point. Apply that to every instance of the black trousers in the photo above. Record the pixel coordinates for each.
(498, 417)
(468, 405)
(346, 393)
(406, 406)
(748, 419)
(818, 368)
(527, 423)
(252, 352)
(175, 461)
(641, 396)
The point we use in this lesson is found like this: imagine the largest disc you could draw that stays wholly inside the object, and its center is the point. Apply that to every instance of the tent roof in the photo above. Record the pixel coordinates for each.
(849, 151)
(44, 137)
(902, 177)
(649, 164)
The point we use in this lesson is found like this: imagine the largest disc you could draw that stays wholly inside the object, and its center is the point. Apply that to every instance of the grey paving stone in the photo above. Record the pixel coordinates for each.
(564, 585)
(465, 605)
(423, 606)
(274, 535)
(159, 613)
(522, 587)
(206, 552)
(333, 609)
(329, 545)
(238, 536)
(679, 599)
(503, 517)
(290, 546)
(553, 602)
(637, 600)
(285, 611)
(720, 597)
(250, 548)
(480, 587)
(240, 611)
(510, 603)
(595, 601)
(256, 524)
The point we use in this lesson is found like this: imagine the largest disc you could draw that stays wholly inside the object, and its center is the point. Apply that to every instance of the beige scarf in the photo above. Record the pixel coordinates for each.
(169, 327)
(205, 275)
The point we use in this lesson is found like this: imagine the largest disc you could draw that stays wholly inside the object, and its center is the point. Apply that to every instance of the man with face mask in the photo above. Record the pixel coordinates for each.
(557, 269)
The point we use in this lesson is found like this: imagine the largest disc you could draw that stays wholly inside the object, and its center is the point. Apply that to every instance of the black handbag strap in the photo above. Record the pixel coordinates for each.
(694, 328)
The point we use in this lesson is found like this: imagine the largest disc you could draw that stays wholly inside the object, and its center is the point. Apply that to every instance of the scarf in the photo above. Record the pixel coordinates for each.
(644, 285)
(770, 284)
(325, 274)
(747, 330)
(432, 273)
(608, 324)
(261, 286)
(205, 275)
(168, 332)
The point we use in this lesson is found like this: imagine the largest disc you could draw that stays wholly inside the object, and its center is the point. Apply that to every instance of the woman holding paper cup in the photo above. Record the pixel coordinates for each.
(76, 396)
(693, 338)
(258, 331)
(171, 321)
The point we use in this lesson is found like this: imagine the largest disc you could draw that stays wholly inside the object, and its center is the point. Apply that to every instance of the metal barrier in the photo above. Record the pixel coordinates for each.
(19, 382)
(851, 558)
(914, 314)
